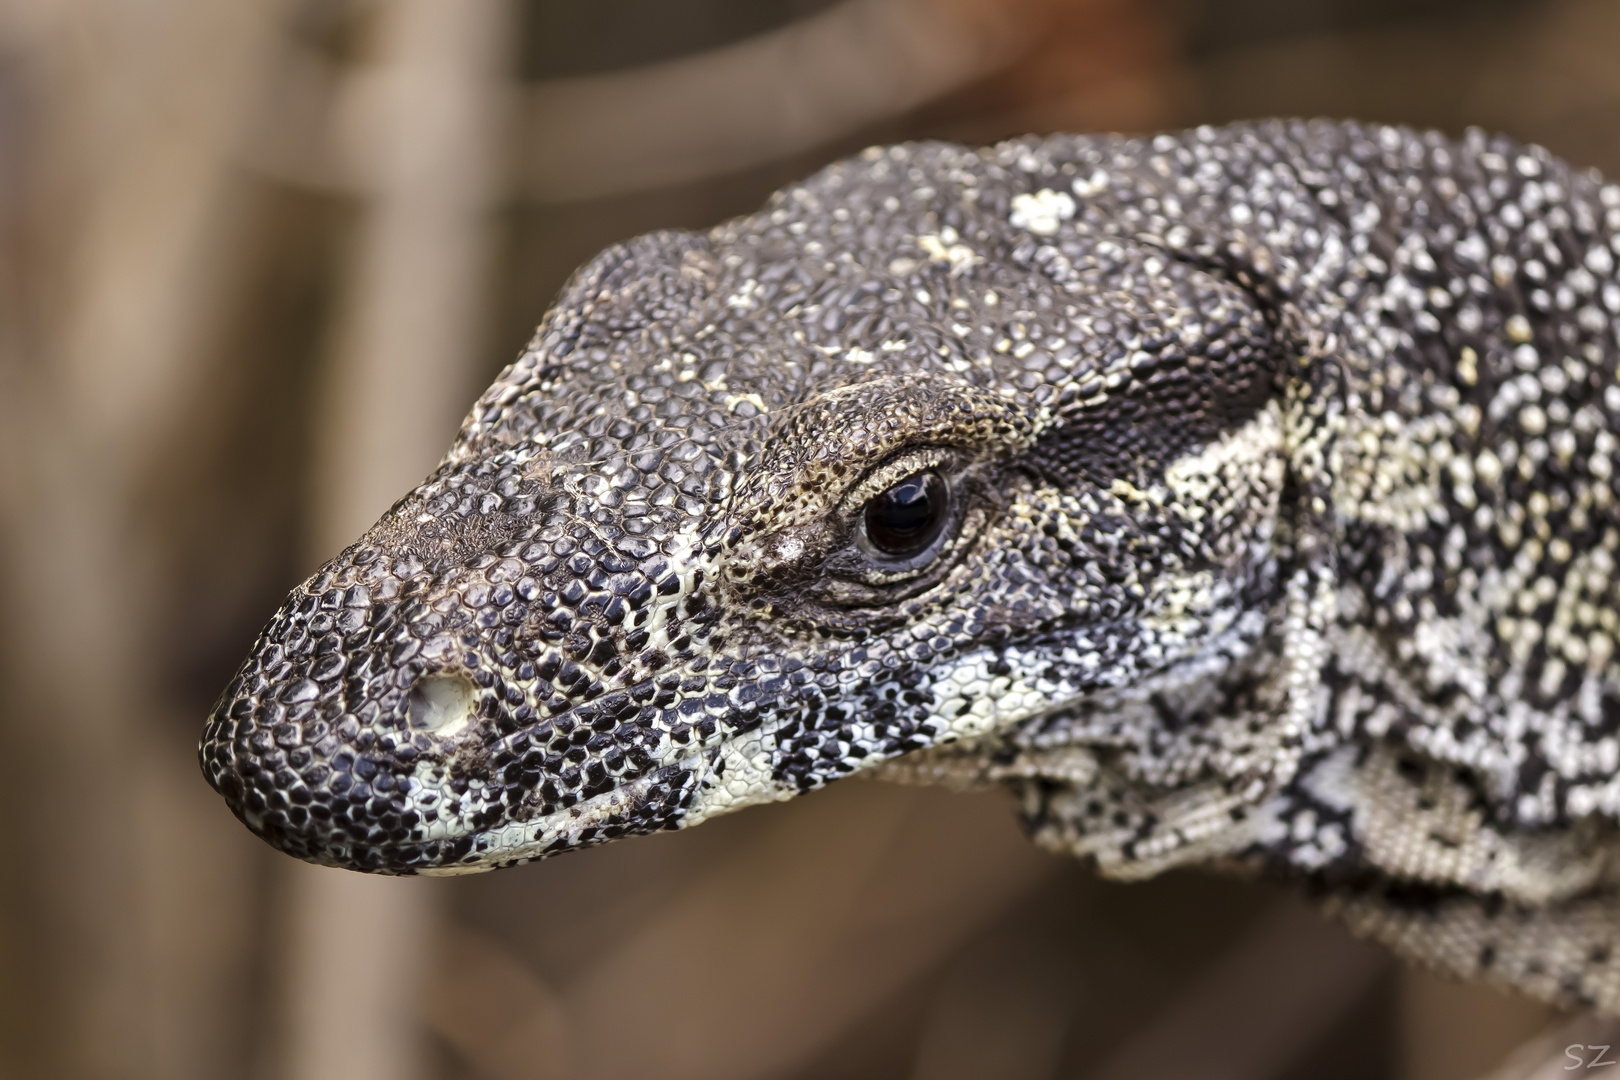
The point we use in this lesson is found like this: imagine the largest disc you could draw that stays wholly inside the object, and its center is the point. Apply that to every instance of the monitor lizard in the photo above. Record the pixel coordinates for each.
(1241, 497)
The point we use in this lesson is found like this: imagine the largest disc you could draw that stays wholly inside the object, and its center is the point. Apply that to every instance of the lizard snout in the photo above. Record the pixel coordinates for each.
(347, 750)
(401, 716)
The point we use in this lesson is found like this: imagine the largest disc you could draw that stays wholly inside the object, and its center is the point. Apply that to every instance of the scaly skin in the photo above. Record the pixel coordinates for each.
(1275, 510)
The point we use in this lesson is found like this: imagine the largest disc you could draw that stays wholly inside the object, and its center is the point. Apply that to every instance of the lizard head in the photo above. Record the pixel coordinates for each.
(912, 456)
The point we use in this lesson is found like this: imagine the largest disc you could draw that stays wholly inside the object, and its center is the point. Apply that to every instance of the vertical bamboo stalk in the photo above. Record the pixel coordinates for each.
(425, 132)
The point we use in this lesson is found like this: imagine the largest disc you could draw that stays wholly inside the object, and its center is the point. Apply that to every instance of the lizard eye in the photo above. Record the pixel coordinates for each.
(903, 521)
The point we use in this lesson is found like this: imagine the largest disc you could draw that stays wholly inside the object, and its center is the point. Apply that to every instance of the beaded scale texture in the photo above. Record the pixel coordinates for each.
(1254, 490)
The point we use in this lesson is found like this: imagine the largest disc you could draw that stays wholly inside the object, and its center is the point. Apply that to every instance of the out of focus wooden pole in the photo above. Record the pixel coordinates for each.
(123, 915)
(424, 135)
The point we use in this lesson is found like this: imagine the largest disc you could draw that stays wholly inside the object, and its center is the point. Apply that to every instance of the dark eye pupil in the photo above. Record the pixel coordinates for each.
(905, 519)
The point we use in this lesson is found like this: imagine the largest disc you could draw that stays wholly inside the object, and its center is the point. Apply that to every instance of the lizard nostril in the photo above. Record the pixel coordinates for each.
(440, 704)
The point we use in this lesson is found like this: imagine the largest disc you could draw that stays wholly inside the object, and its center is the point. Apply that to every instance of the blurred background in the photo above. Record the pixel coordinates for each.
(256, 259)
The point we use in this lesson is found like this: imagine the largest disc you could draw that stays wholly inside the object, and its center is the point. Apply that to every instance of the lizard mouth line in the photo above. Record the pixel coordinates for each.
(599, 817)
(728, 775)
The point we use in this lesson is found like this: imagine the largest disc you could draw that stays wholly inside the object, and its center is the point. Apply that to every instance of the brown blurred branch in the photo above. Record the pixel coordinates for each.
(399, 384)
(772, 96)
(587, 137)
(126, 191)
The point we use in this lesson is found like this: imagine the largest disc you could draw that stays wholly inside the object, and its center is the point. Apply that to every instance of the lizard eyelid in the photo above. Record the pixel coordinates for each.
(894, 469)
